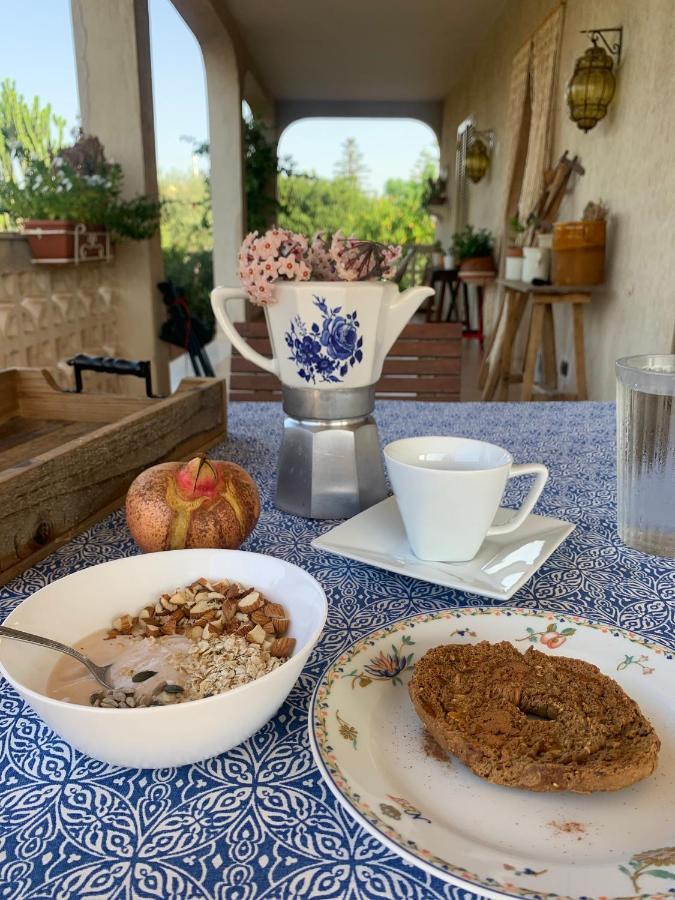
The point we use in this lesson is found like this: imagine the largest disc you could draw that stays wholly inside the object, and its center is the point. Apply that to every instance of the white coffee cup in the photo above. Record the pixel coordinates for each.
(448, 490)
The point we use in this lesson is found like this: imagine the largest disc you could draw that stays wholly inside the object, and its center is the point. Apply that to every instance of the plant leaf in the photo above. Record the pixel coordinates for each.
(659, 873)
(568, 632)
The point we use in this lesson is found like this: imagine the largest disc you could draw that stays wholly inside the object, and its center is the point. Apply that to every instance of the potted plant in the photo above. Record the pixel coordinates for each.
(448, 259)
(77, 189)
(473, 250)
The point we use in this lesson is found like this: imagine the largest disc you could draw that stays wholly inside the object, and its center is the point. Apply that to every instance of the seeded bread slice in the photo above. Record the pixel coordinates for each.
(528, 720)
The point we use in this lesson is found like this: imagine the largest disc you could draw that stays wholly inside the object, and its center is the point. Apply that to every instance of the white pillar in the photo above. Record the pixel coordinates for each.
(112, 49)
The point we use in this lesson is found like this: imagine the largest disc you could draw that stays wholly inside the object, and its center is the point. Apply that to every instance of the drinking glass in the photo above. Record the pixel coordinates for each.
(646, 453)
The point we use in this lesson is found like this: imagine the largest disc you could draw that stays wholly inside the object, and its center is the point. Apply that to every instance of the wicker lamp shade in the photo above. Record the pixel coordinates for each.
(591, 88)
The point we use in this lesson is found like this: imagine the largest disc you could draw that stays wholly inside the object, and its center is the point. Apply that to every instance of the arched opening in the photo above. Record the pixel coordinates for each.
(369, 177)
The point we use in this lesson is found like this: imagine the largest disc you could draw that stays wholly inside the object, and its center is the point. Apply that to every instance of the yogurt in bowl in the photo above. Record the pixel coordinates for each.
(171, 734)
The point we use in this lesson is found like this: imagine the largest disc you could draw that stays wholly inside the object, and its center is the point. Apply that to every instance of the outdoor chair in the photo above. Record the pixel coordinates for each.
(423, 364)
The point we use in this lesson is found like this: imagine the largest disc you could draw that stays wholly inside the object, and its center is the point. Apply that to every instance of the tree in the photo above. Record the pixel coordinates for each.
(351, 166)
(32, 127)
(187, 242)
(305, 203)
(311, 204)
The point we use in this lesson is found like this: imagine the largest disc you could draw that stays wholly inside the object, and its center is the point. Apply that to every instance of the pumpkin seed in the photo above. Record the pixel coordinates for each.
(173, 689)
(142, 676)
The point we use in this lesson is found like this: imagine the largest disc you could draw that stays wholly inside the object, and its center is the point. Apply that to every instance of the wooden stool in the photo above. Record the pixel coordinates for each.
(449, 283)
(542, 335)
(480, 282)
(496, 375)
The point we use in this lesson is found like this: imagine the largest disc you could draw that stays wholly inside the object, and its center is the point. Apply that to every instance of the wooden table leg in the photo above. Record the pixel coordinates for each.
(489, 343)
(533, 344)
(548, 350)
(441, 301)
(490, 370)
(479, 301)
(579, 354)
(516, 307)
(454, 288)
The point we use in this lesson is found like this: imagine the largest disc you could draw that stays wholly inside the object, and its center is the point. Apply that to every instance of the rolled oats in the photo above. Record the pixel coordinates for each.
(236, 634)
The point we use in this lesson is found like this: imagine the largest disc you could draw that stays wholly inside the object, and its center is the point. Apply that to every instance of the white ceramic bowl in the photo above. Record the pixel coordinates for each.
(79, 604)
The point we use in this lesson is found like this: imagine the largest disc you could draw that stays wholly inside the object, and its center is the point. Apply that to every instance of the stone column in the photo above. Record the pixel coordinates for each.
(112, 49)
(225, 140)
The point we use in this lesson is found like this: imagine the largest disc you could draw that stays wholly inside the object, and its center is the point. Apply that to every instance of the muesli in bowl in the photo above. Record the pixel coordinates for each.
(194, 642)
(168, 731)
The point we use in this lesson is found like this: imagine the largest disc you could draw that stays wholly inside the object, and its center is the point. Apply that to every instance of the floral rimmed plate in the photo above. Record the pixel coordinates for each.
(370, 747)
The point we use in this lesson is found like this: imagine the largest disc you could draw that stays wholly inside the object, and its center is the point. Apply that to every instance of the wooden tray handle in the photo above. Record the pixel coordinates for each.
(85, 363)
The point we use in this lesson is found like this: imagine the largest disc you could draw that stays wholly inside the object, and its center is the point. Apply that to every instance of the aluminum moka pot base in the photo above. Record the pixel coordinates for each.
(330, 463)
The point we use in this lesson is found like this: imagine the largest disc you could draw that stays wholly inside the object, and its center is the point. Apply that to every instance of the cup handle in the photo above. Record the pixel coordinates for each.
(220, 297)
(541, 476)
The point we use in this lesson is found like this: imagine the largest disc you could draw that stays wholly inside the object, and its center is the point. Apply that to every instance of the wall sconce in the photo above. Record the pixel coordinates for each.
(478, 155)
(592, 85)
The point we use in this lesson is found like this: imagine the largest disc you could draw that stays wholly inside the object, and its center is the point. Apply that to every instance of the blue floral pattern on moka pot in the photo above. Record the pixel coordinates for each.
(325, 352)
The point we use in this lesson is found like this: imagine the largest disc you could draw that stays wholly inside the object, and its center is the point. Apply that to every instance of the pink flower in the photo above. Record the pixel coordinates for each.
(267, 246)
(552, 639)
(280, 253)
(287, 267)
(304, 271)
(268, 269)
(262, 291)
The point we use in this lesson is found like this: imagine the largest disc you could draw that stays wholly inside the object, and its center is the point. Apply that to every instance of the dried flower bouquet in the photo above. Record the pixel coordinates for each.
(280, 254)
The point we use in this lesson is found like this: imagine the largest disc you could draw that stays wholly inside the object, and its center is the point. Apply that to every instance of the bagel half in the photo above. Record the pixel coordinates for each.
(528, 720)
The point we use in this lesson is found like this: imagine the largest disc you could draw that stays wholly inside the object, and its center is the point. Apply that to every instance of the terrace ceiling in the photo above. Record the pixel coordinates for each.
(358, 54)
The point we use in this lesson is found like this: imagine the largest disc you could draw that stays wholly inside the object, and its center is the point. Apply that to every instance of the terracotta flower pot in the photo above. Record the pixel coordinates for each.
(477, 264)
(51, 239)
(476, 267)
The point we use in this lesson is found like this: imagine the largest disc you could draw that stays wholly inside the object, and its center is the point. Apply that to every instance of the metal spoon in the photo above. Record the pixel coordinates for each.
(100, 673)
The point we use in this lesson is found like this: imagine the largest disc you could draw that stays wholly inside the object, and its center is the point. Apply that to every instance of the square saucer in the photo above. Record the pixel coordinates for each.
(502, 565)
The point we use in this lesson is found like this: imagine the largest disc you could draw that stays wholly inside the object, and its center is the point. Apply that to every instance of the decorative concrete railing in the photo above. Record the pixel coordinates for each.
(49, 313)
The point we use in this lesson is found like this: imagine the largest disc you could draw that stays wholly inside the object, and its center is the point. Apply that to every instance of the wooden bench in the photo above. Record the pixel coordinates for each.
(423, 364)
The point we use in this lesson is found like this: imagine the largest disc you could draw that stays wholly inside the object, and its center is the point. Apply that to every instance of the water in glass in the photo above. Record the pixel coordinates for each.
(646, 453)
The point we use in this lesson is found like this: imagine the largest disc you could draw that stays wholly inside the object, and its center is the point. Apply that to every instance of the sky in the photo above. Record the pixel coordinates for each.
(36, 51)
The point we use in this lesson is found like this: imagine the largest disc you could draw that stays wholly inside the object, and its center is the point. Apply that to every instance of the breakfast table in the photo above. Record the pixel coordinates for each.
(259, 821)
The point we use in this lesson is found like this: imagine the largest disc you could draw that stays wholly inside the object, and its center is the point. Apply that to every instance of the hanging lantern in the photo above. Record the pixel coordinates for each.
(592, 85)
(477, 160)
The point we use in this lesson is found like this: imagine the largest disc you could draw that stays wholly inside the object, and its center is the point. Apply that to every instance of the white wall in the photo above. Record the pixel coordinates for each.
(629, 163)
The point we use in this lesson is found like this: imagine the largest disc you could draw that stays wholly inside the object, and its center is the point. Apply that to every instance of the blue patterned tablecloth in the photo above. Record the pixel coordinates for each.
(259, 822)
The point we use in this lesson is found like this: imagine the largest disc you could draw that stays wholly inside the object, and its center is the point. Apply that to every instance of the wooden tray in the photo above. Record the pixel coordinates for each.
(66, 459)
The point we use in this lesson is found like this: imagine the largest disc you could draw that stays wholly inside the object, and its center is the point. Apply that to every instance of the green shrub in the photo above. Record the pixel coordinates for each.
(469, 244)
(78, 185)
